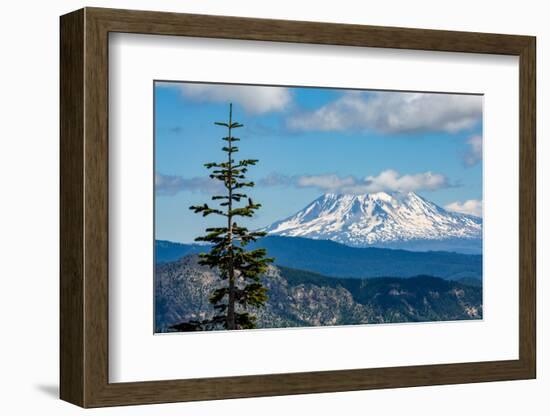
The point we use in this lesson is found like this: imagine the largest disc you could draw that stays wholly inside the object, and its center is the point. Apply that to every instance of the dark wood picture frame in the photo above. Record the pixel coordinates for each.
(84, 207)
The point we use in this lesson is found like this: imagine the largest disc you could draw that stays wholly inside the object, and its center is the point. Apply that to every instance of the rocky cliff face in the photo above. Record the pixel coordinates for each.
(299, 298)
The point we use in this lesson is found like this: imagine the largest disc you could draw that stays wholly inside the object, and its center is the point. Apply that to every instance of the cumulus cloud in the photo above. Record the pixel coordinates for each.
(386, 181)
(393, 181)
(393, 112)
(475, 151)
(172, 184)
(254, 99)
(470, 207)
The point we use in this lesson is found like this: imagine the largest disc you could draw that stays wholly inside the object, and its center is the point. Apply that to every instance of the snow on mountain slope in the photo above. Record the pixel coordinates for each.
(377, 219)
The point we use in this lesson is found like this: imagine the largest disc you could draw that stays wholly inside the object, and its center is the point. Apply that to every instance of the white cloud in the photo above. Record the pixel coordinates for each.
(471, 207)
(276, 179)
(254, 99)
(326, 182)
(391, 180)
(172, 184)
(475, 151)
(386, 181)
(393, 112)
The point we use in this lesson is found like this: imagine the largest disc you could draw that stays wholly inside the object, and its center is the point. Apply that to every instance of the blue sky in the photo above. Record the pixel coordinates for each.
(310, 141)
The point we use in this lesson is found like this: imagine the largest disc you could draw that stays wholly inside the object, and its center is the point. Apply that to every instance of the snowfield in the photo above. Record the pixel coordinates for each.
(377, 218)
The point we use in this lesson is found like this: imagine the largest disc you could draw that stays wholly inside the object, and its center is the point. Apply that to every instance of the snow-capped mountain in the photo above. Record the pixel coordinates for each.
(396, 220)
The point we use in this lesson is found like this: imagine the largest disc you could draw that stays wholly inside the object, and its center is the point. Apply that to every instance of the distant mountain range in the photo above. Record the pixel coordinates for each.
(166, 251)
(299, 298)
(387, 220)
(338, 260)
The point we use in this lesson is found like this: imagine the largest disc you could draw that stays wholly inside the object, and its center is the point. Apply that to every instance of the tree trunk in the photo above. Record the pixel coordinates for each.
(231, 270)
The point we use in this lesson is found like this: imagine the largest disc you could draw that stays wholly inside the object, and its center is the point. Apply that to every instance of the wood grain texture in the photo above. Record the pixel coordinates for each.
(528, 207)
(84, 207)
(224, 27)
(96, 208)
(71, 100)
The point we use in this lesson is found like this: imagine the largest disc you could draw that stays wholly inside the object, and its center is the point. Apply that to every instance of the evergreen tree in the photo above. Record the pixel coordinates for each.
(238, 268)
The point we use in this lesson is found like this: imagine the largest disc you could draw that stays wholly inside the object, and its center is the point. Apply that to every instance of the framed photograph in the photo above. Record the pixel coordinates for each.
(255, 207)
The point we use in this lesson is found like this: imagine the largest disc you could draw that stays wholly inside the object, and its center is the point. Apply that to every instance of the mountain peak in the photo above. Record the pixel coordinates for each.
(380, 195)
(378, 218)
